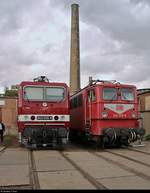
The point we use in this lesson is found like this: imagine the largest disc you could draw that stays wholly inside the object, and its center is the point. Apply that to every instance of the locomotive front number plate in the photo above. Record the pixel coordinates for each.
(44, 117)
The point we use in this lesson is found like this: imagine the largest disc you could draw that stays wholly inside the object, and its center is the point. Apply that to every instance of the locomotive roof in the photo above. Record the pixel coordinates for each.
(24, 83)
(104, 83)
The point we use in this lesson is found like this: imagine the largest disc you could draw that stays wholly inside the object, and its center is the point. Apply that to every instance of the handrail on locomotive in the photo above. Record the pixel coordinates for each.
(91, 81)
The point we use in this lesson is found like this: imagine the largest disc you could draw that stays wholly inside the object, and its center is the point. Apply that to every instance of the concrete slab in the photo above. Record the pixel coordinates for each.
(14, 175)
(51, 161)
(128, 182)
(14, 156)
(134, 155)
(97, 167)
(128, 163)
(80, 156)
(46, 153)
(63, 180)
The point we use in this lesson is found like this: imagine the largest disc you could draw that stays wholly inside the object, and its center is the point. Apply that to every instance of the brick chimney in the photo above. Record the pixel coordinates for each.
(75, 50)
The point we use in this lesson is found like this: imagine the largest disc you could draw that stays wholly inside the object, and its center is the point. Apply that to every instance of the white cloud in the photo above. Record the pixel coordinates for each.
(114, 40)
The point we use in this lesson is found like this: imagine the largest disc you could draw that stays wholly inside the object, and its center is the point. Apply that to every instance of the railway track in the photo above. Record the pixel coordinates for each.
(95, 169)
(116, 157)
(2, 150)
(133, 158)
(85, 174)
(137, 150)
(34, 181)
(109, 159)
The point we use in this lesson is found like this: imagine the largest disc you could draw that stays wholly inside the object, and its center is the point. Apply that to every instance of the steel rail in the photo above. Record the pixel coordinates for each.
(85, 174)
(122, 166)
(34, 181)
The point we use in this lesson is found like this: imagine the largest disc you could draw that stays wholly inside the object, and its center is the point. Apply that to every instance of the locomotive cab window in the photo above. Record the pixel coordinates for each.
(44, 93)
(127, 94)
(33, 93)
(109, 94)
(54, 94)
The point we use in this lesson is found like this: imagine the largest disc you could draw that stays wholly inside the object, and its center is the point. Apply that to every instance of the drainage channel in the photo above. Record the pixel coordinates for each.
(34, 181)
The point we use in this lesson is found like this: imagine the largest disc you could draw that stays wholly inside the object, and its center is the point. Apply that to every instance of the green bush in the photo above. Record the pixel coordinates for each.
(147, 136)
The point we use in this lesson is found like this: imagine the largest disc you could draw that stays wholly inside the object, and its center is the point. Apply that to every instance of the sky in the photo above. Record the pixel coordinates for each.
(114, 40)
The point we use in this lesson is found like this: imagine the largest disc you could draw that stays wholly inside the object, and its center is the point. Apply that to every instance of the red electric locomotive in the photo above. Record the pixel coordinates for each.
(107, 113)
(43, 113)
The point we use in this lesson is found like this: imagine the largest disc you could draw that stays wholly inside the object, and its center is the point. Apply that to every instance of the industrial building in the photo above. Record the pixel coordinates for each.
(144, 107)
(8, 113)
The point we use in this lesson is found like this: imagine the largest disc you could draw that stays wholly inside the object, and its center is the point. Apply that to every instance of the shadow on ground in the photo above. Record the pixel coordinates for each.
(10, 140)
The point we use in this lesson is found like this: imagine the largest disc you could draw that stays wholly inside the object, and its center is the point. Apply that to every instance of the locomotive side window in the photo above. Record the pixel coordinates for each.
(33, 93)
(127, 94)
(54, 94)
(91, 95)
(80, 100)
(109, 94)
(76, 101)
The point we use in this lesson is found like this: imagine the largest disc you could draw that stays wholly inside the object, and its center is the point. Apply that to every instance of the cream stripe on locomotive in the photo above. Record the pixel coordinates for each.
(43, 118)
(119, 108)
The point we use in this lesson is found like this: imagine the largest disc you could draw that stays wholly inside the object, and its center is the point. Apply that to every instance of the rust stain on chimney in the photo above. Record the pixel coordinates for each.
(75, 50)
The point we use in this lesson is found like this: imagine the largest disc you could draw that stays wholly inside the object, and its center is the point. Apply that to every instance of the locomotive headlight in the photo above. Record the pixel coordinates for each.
(104, 114)
(133, 115)
(56, 117)
(32, 117)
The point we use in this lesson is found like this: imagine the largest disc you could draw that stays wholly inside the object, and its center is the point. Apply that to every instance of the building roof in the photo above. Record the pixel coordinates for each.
(143, 91)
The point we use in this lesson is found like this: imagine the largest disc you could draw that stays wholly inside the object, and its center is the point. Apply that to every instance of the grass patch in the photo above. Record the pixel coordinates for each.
(10, 140)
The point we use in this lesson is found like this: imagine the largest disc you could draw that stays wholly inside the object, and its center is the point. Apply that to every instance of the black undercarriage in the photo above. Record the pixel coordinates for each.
(110, 136)
(121, 136)
(44, 137)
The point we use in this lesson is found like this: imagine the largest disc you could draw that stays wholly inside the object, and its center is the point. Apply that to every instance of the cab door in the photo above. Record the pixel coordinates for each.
(90, 98)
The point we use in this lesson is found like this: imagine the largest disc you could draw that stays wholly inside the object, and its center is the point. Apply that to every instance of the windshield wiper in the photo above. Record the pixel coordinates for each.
(26, 96)
(125, 98)
(113, 97)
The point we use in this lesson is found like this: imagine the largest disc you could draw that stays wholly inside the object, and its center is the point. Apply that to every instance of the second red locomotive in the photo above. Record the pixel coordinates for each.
(43, 113)
(107, 113)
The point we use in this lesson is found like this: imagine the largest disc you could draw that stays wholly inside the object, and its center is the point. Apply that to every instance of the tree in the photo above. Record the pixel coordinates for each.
(11, 92)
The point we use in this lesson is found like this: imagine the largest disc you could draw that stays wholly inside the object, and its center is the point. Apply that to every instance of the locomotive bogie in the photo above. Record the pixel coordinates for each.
(44, 137)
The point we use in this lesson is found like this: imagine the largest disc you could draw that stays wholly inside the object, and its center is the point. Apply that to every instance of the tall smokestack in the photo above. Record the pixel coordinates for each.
(75, 50)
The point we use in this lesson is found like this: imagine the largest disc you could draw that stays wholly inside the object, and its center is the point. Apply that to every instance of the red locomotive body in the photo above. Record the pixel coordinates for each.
(43, 113)
(107, 113)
